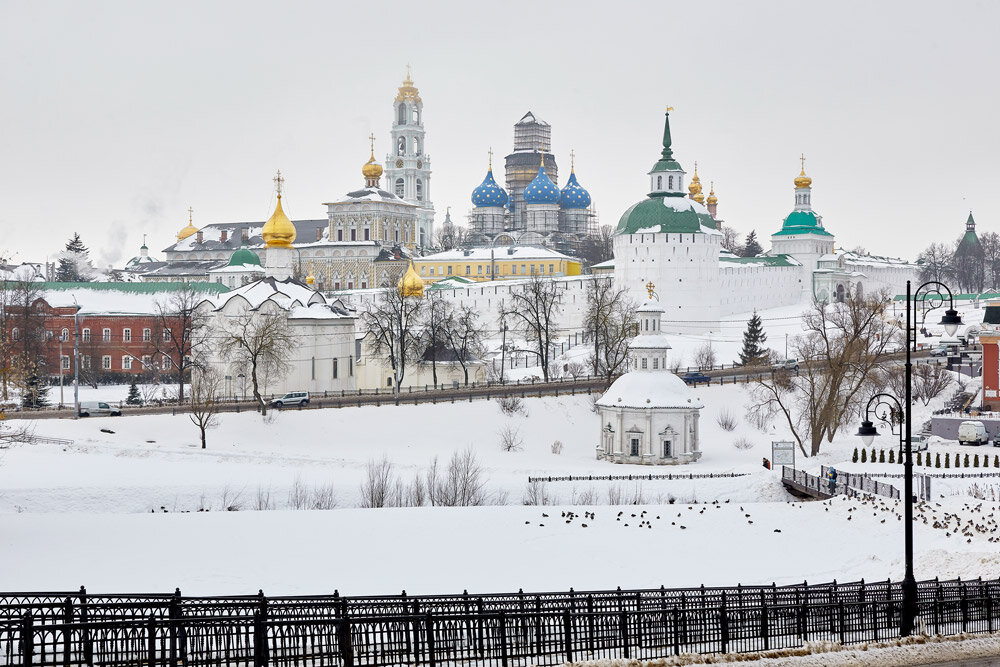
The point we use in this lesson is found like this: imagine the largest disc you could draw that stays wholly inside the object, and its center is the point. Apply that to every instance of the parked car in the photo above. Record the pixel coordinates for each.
(787, 365)
(972, 433)
(696, 377)
(292, 398)
(918, 443)
(98, 409)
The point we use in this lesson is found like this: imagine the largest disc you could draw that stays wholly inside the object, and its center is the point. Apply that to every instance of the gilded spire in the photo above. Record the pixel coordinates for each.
(411, 284)
(802, 181)
(371, 170)
(278, 231)
(310, 279)
(408, 91)
(712, 199)
(572, 161)
(190, 230)
(694, 187)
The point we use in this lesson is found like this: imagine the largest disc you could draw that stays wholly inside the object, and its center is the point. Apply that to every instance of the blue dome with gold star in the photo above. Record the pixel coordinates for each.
(573, 195)
(489, 193)
(541, 190)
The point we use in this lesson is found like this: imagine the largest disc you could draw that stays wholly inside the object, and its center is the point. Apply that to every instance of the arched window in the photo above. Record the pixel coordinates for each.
(416, 146)
(420, 190)
(15, 334)
(64, 335)
(399, 187)
(670, 182)
(659, 182)
(401, 115)
(401, 146)
(416, 115)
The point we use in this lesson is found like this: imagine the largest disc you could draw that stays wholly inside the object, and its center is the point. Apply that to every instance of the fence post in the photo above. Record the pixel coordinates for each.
(842, 621)
(503, 639)
(623, 627)
(724, 624)
(965, 608)
(150, 642)
(764, 629)
(344, 640)
(27, 640)
(67, 633)
(430, 641)
(568, 633)
(538, 626)
(677, 636)
(88, 644)
(591, 629)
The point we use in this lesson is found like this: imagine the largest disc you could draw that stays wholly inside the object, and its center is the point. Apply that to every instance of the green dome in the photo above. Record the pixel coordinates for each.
(802, 222)
(244, 256)
(667, 215)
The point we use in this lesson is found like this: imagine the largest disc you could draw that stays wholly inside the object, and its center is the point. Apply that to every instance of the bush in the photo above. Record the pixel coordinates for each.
(557, 447)
(854, 459)
(892, 456)
(873, 455)
(743, 443)
(881, 456)
(947, 460)
(510, 438)
(937, 460)
(864, 456)
(966, 462)
(919, 459)
(511, 405)
(727, 420)
(975, 461)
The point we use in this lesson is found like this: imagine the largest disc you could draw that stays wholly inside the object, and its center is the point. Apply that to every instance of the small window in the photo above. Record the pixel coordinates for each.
(147, 335)
(659, 182)
(354, 235)
(335, 369)
(126, 363)
(313, 369)
(65, 362)
(479, 269)
(340, 234)
(552, 268)
(423, 270)
(86, 335)
(127, 335)
(634, 447)
(643, 363)
(167, 363)
(656, 363)
(670, 183)
(106, 362)
(350, 366)
(449, 270)
(64, 335)
(432, 270)
(147, 361)
(399, 188)
(367, 234)
(668, 449)
(468, 269)
(15, 334)
(166, 334)
(106, 335)
(388, 382)
(420, 190)
(85, 362)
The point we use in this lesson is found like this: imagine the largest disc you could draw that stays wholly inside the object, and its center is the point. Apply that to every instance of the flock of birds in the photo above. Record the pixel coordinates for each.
(972, 521)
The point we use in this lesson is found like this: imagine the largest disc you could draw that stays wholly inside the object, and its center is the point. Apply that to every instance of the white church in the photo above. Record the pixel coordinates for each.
(673, 241)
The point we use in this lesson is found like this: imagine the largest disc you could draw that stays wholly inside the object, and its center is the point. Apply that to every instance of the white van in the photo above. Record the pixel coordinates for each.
(972, 433)
(98, 409)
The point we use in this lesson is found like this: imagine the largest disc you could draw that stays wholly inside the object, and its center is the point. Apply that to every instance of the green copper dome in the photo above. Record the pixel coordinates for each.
(667, 215)
(802, 222)
(244, 256)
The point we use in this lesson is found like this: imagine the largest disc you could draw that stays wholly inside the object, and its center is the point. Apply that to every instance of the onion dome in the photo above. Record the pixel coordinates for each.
(699, 197)
(190, 230)
(803, 181)
(694, 187)
(372, 170)
(541, 190)
(489, 193)
(411, 284)
(310, 279)
(712, 199)
(278, 231)
(573, 195)
(408, 91)
(244, 255)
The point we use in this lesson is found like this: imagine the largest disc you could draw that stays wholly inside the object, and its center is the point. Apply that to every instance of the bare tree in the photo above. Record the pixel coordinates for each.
(534, 307)
(935, 262)
(731, 240)
(704, 357)
(464, 337)
(598, 247)
(393, 325)
(929, 381)
(436, 321)
(610, 321)
(377, 488)
(840, 352)
(204, 403)
(991, 258)
(176, 335)
(259, 341)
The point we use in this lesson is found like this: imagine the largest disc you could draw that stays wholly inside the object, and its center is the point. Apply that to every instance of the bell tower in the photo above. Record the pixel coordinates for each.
(407, 165)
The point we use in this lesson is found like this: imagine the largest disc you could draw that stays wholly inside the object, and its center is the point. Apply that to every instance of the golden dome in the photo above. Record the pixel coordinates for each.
(190, 230)
(310, 279)
(411, 284)
(698, 197)
(803, 181)
(712, 199)
(694, 187)
(372, 170)
(408, 91)
(278, 232)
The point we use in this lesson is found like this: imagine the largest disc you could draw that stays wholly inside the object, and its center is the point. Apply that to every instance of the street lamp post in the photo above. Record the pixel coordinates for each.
(950, 320)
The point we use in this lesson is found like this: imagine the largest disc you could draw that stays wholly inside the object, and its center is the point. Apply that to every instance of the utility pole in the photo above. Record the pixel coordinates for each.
(76, 362)
(60, 372)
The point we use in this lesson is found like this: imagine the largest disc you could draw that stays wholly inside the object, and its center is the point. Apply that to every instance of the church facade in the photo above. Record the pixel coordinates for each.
(672, 240)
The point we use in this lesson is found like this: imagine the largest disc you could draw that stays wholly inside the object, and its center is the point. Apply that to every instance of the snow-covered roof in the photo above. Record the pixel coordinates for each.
(119, 298)
(300, 300)
(239, 268)
(484, 254)
(371, 194)
(649, 390)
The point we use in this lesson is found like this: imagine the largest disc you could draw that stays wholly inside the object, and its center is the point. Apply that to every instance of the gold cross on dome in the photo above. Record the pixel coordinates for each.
(371, 139)
(572, 160)
(802, 159)
(491, 157)
(669, 109)
(190, 214)
(278, 182)
(649, 288)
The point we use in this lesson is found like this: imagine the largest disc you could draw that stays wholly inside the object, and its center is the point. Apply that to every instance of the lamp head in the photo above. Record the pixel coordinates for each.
(951, 320)
(867, 432)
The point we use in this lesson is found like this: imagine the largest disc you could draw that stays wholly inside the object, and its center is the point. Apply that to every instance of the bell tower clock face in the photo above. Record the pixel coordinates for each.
(420, 164)
(399, 164)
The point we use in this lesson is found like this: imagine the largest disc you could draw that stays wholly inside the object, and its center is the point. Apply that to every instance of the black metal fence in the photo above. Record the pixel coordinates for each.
(493, 630)
(845, 483)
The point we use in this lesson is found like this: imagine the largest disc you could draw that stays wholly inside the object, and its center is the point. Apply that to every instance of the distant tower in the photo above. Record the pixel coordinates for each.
(712, 203)
(541, 201)
(489, 199)
(531, 137)
(408, 167)
(802, 234)
(278, 234)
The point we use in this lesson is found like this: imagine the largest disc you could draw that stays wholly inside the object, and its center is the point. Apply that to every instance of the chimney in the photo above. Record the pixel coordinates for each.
(245, 234)
(224, 236)
(199, 237)
(319, 233)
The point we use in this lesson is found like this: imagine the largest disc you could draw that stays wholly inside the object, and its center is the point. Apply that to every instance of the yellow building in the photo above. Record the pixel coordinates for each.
(500, 263)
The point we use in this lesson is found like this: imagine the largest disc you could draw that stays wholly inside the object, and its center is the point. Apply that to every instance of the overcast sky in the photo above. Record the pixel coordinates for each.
(117, 116)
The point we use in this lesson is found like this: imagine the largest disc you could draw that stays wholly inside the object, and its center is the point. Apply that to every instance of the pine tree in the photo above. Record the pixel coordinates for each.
(752, 248)
(854, 459)
(937, 460)
(133, 398)
(892, 456)
(881, 456)
(975, 461)
(35, 393)
(919, 460)
(947, 459)
(996, 461)
(966, 462)
(74, 255)
(753, 352)
(864, 456)
(873, 455)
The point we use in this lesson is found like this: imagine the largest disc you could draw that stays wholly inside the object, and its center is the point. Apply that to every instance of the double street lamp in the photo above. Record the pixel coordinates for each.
(892, 410)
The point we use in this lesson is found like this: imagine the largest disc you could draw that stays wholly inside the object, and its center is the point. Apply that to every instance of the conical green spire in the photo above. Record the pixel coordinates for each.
(970, 224)
(666, 161)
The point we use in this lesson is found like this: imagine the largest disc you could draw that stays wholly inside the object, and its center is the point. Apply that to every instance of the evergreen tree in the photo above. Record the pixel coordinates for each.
(881, 456)
(975, 461)
(133, 398)
(996, 461)
(892, 456)
(947, 460)
(864, 456)
(854, 459)
(752, 248)
(919, 460)
(966, 462)
(74, 262)
(753, 352)
(35, 391)
(937, 460)
(873, 455)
